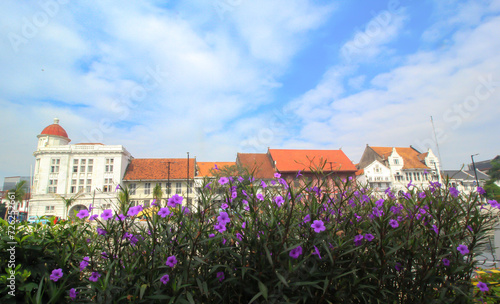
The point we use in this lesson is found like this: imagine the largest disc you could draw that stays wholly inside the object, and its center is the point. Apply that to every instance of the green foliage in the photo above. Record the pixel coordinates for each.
(253, 258)
(494, 172)
(492, 190)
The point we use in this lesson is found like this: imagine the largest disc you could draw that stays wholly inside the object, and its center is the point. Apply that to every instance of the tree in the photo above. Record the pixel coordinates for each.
(18, 193)
(494, 172)
(124, 199)
(69, 201)
(157, 194)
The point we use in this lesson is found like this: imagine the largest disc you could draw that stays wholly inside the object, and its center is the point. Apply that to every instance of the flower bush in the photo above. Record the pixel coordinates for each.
(266, 242)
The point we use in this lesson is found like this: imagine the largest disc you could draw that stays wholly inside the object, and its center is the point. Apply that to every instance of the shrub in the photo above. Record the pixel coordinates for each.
(266, 243)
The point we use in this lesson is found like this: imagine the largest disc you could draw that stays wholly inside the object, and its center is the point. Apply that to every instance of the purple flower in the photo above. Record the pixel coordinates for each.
(435, 228)
(117, 187)
(454, 192)
(240, 179)
(72, 293)
(56, 274)
(369, 237)
(318, 226)
(244, 225)
(220, 276)
(494, 204)
(263, 184)
(295, 252)
(107, 214)
(82, 213)
(186, 210)
(279, 200)
(101, 231)
(380, 203)
(223, 218)
(224, 206)
(175, 200)
(316, 252)
(93, 217)
(171, 261)
(239, 236)
(398, 267)
(480, 190)
(211, 235)
(208, 186)
(215, 167)
(260, 196)
(463, 249)
(220, 227)
(421, 195)
(299, 174)
(164, 212)
(446, 262)
(133, 211)
(164, 279)
(84, 263)
(95, 276)
(223, 180)
(409, 185)
(482, 286)
(307, 218)
(394, 223)
(277, 175)
(120, 217)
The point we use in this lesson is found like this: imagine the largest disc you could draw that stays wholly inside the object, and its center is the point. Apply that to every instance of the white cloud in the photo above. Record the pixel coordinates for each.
(395, 109)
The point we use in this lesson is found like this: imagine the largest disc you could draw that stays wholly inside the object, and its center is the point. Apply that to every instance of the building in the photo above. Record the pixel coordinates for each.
(258, 165)
(395, 167)
(208, 171)
(172, 175)
(464, 181)
(315, 167)
(90, 171)
(483, 166)
(11, 182)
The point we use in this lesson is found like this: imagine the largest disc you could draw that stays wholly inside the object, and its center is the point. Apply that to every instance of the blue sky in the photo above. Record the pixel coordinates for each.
(218, 77)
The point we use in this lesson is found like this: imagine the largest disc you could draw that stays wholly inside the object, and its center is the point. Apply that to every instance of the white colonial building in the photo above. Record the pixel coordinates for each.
(394, 167)
(64, 170)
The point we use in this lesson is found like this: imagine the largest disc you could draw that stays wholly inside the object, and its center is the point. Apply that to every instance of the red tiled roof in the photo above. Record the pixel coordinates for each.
(257, 164)
(55, 129)
(288, 160)
(206, 168)
(158, 169)
(411, 157)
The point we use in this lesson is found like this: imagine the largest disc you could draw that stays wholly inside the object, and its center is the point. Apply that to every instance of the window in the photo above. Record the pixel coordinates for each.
(88, 188)
(106, 206)
(90, 165)
(49, 209)
(132, 188)
(54, 166)
(108, 185)
(147, 188)
(52, 186)
(408, 177)
(178, 188)
(82, 165)
(109, 165)
(168, 188)
(190, 187)
(396, 161)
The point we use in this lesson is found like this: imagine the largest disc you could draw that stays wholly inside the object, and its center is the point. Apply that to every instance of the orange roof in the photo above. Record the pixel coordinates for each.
(158, 169)
(257, 164)
(207, 168)
(412, 158)
(287, 160)
(55, 129)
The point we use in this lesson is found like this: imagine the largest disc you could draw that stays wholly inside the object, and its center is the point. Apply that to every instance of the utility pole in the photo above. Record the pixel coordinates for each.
(474, 167)
(187, 194)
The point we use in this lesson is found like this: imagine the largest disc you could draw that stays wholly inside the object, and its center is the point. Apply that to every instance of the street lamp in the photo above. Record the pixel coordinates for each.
(474, 166)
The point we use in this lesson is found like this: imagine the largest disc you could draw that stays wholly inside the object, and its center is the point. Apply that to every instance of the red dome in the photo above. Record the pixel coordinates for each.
(55, 129)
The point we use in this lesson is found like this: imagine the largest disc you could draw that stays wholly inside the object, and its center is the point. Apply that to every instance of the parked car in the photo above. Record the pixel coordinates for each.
(33, 219)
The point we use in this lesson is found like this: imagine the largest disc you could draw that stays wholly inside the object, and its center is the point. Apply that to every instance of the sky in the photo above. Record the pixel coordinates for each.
(217, 77)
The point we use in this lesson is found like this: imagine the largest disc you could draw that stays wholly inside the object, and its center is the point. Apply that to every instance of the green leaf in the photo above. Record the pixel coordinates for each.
(190, 298)
(282, 279)
(143, 289)
(255, 297)
(263, 289)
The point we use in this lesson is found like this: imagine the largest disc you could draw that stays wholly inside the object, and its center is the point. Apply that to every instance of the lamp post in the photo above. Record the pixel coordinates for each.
(474, 167)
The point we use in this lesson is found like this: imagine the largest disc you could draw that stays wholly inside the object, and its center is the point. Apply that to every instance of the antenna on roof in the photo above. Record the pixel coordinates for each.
(437, 144)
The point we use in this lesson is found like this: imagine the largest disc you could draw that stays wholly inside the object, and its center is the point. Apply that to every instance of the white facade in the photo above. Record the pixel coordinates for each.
(65, 170)
(382, 169)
